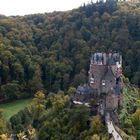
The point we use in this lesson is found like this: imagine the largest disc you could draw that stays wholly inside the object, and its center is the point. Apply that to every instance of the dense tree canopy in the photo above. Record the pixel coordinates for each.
(52, 51)
(54, 118)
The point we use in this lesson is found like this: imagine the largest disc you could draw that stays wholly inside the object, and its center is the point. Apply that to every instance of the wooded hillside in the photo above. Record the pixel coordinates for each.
(51, 51)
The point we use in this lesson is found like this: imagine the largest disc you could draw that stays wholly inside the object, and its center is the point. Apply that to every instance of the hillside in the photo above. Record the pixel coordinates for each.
(52, 50)
(46, 56)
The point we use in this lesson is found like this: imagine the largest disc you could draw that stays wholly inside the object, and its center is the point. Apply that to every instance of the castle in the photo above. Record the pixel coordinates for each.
(104, 84)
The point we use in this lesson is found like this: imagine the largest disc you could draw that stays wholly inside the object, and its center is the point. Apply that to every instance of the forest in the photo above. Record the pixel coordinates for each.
(46, 56)
(51, 51)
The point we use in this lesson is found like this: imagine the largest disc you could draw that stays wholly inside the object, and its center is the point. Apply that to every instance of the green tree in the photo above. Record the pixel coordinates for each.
(80, 79)
(71, 91)
(136, 122)
(96, 125)
(11, 91)
(3, 125)
(36, 83)
(38, 104)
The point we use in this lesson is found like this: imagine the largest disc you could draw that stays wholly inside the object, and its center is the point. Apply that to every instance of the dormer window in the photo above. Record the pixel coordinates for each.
(103, 82)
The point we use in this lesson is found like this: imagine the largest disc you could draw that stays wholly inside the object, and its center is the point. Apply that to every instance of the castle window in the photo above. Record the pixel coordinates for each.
(103, 82)
(91, 80)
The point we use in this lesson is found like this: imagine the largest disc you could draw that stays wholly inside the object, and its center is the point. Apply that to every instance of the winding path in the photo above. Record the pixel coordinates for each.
(109, 123)
(111, 128)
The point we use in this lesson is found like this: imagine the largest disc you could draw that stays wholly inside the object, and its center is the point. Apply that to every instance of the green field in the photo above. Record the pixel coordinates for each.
(9, 109)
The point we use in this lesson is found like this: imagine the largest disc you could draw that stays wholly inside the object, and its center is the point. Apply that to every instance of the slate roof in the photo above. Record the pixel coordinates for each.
(85, 89)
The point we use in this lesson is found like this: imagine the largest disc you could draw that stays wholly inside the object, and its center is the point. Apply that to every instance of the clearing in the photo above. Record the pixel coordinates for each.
(9, 109)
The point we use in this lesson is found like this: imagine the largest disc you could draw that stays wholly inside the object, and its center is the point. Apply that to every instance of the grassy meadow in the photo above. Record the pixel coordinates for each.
(9, 109)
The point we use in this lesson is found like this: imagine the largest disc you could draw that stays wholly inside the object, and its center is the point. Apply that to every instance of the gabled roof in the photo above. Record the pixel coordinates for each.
(85, 89)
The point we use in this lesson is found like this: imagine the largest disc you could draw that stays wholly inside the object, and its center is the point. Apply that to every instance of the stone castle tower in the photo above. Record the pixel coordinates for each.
(105, 77)
(105, 72)
(104, 80)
